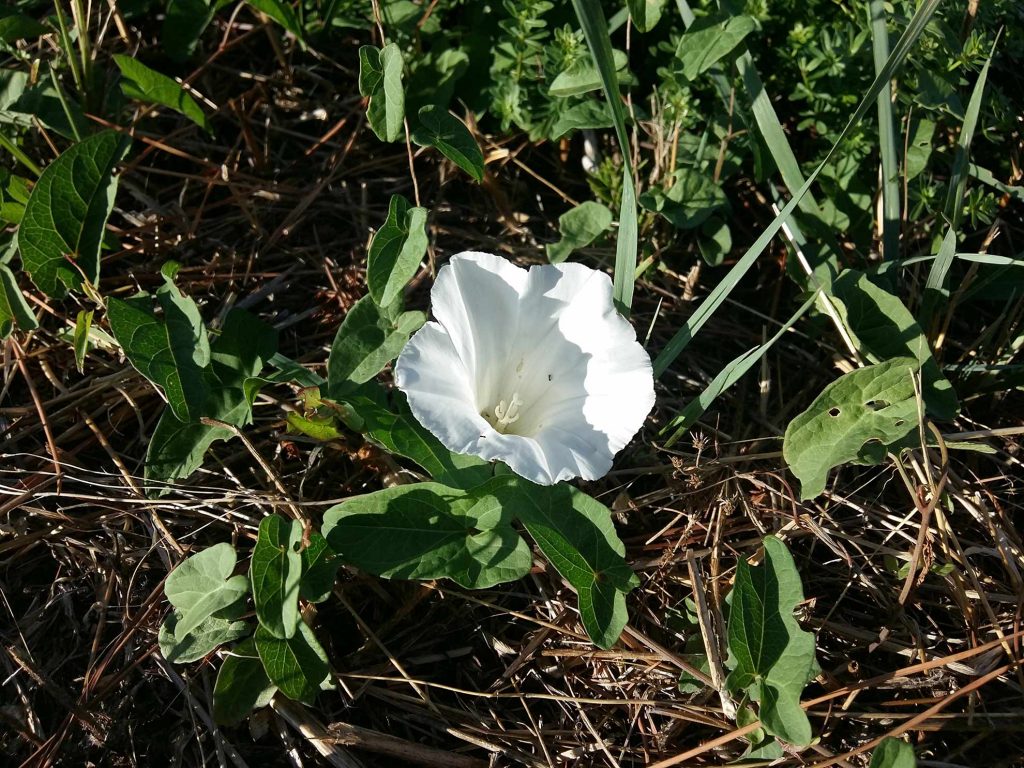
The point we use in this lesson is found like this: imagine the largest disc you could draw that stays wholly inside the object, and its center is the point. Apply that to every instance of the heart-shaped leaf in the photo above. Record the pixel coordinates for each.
(203, 585)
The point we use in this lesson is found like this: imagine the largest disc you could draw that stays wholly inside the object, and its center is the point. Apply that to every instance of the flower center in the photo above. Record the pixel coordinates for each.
(506, 413)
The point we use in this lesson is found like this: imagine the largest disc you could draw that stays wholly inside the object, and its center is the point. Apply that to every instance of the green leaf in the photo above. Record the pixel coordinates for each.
(283, 13)
(213, 631)
(430, 531)
(708, 41)
(66, 214)
(853, 419)
(170, 350)
(83, 323)
(689, 202)
(241, 350)
(275, 570)
(451, 138)
(321, 428)
(883, 328)
(14, 194)
(400, 433)
(689, 683)
(587, 114)
(576, 534)
(893, 753)
(145, 84)
(919, 147)
(184, 24)
(202, 585)
(583, 76)
(17, 26)
(579, 227)
(380, 80)
(369, 338)
(319, 569)
(396, 251)
(14, 309)
(770, 657)
(297, 666)
(645, 13)
(242, 685)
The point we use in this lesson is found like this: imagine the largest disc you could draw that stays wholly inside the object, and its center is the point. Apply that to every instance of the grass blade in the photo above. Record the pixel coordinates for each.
(886, 136)
(728, 376)
(714, 300)
(595, 30)
(935, 285)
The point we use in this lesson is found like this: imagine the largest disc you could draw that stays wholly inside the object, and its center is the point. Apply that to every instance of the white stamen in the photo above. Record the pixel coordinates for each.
(507, 413)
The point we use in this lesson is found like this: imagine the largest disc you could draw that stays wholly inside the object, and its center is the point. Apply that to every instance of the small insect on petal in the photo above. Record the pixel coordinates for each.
(534, 368)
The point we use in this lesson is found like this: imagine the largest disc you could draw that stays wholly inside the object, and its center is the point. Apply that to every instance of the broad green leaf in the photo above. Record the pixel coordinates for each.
(83, 324)
(584, 76)
(62, 227)
(919, 147)
(714, 241)
(202, 585)
(170, 350)
(184, 24)
(883, 328)
(177, 447)
(770, 657)
(322, 428)
(25, 105)
(645, 14)
(282, 12)
(319, 569)
(145, 84)
(450, 136)
(396, 251)
(893, 753)
(430, 531)
(212, 632)
(853, 419)
(14, 309)
(587, 114)
(380, 80)
(369, 338)
(17, 26)
(237, 355)
(297, 666)
(579, 227)
(242, 685)
(400, 433)
(275, 570)
(576, 534)
(708, 41)
(688, 203)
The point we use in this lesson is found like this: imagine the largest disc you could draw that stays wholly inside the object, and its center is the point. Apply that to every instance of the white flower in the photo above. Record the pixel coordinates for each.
(534, 368)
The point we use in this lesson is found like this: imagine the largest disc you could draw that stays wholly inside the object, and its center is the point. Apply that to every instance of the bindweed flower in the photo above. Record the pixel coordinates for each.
(534, 368)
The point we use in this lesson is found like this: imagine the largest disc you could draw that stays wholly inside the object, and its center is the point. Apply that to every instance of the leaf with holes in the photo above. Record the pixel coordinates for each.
(396, 251)
(170, 350)
(431, 531)
(66, 214)
(298, 665)
(771, 658)
(451, 138)
(203, 586)
(883, 328)
(242, 685)
(854, 419)
(275, 570)
(145, 84)
(579, 227)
